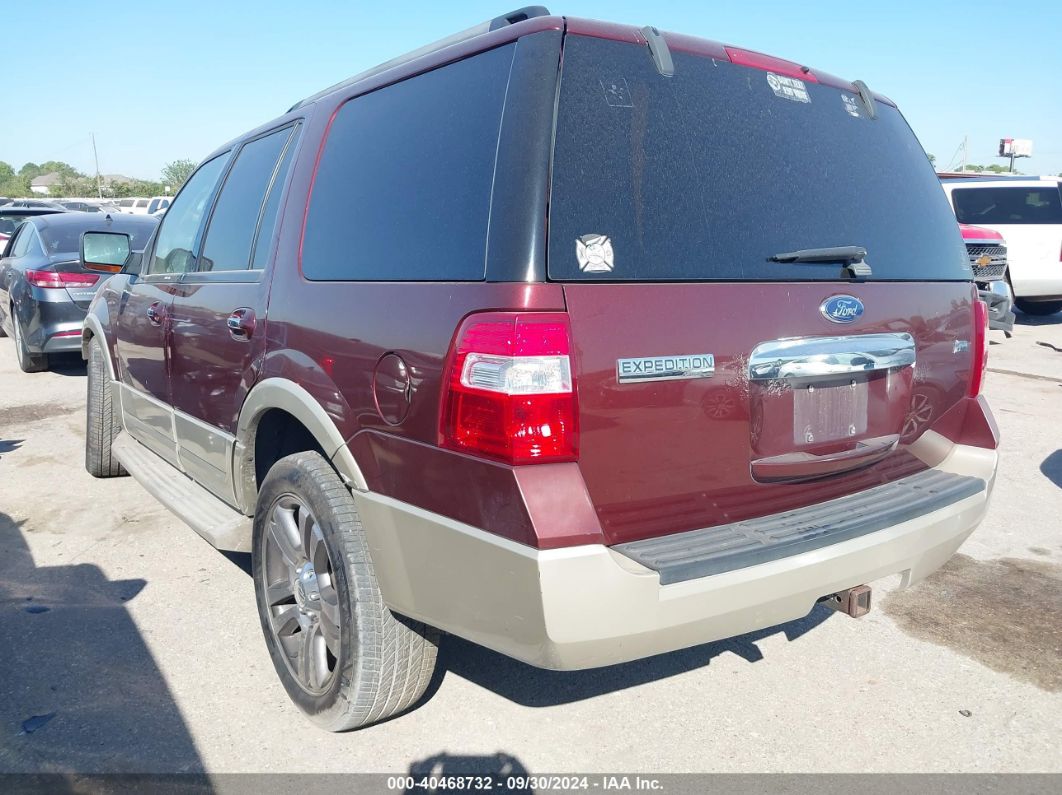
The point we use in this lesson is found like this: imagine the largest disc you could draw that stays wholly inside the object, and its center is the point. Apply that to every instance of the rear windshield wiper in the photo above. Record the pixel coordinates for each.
(852, 257)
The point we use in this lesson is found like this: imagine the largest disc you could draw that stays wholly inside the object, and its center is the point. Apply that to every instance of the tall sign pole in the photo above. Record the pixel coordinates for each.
(96, 157)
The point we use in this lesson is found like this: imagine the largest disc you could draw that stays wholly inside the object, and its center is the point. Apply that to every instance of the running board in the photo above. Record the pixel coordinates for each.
(220, 524)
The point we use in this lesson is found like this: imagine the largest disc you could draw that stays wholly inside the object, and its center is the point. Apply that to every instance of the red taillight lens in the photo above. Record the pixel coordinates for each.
(780, 66)
(980, 348)
(510, 394)
(53, 279)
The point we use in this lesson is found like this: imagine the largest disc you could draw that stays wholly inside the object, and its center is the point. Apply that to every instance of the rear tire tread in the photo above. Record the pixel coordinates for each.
(28, 361)
(1038, 308)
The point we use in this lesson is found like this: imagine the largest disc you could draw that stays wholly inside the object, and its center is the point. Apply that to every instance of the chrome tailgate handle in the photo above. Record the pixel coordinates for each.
(817, 357)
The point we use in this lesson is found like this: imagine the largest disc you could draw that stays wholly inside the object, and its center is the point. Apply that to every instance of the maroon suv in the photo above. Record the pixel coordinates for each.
(579, 341)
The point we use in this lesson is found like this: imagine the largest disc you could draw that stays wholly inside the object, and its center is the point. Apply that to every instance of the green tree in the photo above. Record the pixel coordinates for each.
(6, 171)
(29, 171)
(932, 159)
(177, 173)
(60, 168)
(974, 168)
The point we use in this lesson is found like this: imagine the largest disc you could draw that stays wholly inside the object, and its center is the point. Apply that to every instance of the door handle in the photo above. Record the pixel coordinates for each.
(154, 314)
(241, 324)
(820, 357)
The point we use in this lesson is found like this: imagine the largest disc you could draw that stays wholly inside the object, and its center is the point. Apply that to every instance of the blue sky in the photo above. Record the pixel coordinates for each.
(158, 81)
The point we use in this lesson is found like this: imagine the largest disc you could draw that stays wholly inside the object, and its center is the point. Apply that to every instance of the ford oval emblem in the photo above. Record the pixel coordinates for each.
(842, 309)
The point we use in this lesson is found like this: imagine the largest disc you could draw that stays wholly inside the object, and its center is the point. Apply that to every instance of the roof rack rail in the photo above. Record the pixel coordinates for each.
(510, 18)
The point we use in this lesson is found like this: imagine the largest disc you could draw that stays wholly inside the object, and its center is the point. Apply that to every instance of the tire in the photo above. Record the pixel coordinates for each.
(1038, 308)
(102, 422)
(28, 361)
(345, 659)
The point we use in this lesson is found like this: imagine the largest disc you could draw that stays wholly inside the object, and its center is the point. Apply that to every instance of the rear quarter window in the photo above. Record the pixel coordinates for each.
(1008, 205)
(403, 187)
(707, 174)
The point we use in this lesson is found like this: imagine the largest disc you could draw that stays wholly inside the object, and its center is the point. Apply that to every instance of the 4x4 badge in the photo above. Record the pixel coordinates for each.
(594, 253)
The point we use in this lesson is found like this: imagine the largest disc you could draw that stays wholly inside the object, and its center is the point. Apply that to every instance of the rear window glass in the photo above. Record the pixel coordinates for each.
(1008, 205)
(67, 238)
(709, 173)
(9, 222)
(403, 187)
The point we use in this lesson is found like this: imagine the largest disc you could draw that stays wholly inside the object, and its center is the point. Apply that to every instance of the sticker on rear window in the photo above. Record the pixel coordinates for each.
(617, 93)
(594, 253)
(788, 87)
(851, 106)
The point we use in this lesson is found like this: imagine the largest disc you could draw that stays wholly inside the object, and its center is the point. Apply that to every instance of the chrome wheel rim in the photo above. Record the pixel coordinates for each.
(301, 599)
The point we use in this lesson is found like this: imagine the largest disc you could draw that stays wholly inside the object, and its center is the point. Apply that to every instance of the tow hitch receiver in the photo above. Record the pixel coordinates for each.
(854, 601)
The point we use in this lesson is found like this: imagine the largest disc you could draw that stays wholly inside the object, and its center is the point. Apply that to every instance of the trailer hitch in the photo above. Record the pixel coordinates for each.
(854, 602)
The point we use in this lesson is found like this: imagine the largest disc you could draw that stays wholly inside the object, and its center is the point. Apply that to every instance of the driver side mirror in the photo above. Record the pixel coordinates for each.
(104, 252)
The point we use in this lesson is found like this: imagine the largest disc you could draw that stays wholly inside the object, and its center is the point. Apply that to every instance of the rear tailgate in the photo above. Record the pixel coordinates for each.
(715, 384)
(663, 456)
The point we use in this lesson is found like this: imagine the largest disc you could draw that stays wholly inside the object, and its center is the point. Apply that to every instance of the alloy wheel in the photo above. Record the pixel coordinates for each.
(301, 598)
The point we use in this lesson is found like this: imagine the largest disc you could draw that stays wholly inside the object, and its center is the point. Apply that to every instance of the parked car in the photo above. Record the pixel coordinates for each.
(467, 343)
(158, 205)
(1028, 213)
(988, 258)
(134, 206)
(42, 204)
(80, 206)
(44, 291)
(11, 217)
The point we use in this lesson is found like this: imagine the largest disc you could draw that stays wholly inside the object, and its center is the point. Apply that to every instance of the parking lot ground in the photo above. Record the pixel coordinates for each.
(128, 644)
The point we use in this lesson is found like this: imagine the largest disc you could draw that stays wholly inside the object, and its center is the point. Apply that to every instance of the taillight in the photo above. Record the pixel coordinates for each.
(509, 392)
(980, 348)
(53, 279)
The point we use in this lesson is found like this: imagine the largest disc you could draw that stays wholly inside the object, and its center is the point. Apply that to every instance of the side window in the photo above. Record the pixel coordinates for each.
(175, 244)
(24, 241)
(403, 187)
(239, 208)
(1008, 205)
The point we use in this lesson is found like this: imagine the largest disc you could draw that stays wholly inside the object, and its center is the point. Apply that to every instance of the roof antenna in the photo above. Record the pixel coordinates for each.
(867, 97)
(658, 48)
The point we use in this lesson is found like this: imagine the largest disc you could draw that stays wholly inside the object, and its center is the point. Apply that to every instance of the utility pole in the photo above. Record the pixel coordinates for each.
(96, 157)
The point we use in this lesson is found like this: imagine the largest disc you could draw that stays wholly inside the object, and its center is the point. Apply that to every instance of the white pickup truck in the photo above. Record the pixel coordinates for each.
(1027, 211)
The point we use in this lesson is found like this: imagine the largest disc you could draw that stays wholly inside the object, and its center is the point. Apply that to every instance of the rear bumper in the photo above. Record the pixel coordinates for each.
(587, 606)
(51, 322)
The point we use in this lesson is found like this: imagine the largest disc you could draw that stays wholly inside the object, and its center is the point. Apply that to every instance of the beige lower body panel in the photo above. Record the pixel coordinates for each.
(587, 606)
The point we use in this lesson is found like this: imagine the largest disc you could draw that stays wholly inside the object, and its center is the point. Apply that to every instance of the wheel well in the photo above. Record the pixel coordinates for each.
(278, 435)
